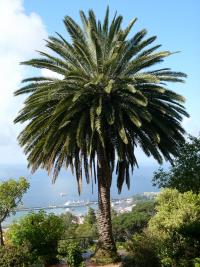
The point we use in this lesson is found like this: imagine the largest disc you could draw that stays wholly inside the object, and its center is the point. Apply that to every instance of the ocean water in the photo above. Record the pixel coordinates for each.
(43, 193)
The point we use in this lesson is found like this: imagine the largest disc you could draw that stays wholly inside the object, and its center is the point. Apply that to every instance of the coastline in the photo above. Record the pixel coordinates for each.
(80, 207)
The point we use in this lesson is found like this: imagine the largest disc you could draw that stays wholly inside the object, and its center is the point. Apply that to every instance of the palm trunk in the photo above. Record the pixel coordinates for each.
(1, 236)
(106, 241)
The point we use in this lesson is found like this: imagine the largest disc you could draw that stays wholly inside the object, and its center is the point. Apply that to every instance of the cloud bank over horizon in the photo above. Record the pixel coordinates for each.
(21, 34)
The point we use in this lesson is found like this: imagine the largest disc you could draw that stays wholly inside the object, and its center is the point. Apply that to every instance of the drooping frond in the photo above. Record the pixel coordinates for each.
(109, 100)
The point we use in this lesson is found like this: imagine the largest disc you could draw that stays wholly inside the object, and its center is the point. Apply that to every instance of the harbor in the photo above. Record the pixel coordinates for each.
(70, 204)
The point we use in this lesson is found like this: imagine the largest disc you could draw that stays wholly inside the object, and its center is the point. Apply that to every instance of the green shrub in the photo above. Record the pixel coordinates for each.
(102, 257)
(197, 262)
(127, 224)
(86, 230)
(142, 252)
(42, 231)
(85, 233)
(70, 252)
(11, 256)
(146, 206)
(176, 227)
(120, 245)
(70, 223)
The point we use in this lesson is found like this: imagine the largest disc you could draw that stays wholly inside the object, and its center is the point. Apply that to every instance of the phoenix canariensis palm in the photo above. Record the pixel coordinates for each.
(106, 103)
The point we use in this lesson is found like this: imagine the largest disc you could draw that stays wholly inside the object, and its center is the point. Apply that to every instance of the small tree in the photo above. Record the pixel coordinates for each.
(184, 175)
(90, 218)
(41, 231)
(71, 253)
(11, 193)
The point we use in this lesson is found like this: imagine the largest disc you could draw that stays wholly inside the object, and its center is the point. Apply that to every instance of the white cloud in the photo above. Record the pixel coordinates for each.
(52, 74)
(20, 35)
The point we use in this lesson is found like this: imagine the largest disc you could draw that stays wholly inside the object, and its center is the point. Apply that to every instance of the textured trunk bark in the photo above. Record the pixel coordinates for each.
(106, 241)
(1, 236)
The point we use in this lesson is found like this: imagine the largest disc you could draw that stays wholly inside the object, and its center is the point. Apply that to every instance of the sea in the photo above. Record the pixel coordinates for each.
(43, 193)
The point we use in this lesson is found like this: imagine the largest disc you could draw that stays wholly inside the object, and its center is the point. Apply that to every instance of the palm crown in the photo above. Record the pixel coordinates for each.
(106, 104)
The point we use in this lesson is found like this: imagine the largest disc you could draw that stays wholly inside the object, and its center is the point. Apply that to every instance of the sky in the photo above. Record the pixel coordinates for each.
(25, 24)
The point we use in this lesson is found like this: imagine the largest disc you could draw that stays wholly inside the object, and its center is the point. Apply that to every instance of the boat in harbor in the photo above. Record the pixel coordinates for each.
(77, 203)
(63, 194)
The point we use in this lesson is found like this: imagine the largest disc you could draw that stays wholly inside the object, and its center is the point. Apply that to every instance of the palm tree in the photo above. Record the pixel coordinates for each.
(108, 100)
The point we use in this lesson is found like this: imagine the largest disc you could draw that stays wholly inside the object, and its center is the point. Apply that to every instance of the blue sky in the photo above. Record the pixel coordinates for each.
(24, 25)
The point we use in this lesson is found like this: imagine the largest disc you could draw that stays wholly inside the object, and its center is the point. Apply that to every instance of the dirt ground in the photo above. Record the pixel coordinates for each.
(89, 264)
(109, 265)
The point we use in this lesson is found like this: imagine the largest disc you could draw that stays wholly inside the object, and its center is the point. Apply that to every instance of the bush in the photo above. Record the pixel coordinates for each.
(146, 206)
(127, 224)
(85, 233)
(70, 252)
(70, 223)
(41, 231)
(197, 262)
(11, 256)
(142, 252)
(176, 227)
(103, 257)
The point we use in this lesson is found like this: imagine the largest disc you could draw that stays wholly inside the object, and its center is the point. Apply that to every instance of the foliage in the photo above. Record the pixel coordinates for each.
(142, 252)
(137, 198)
(127, 224)
(89, 227)
(184, 175)
(70, 223)
(86, 230)
(11, 256)
(71, 253)
(176, 227)
(41, 231)
(11, 193)
(113, 213)
(103, 257)
(175, 209)
(68, 218)
(197, 262)
(90, 218)
(147, 207)
(85, 233)
(120, 245)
